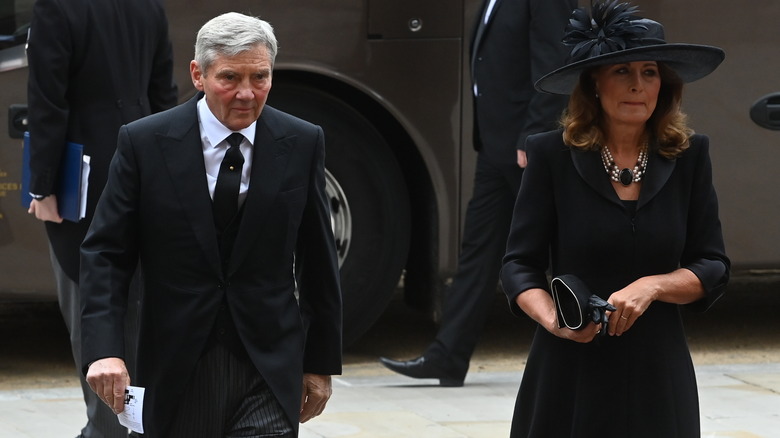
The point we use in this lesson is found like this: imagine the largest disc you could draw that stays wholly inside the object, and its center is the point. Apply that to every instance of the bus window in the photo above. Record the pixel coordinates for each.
(14, 23)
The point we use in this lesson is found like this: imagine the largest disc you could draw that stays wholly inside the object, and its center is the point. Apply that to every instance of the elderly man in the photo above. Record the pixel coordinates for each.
(223, 201)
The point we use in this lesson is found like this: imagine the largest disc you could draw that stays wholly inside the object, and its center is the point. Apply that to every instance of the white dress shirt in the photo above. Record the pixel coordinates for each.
(213, 137)
(489, 10)
(485, 19)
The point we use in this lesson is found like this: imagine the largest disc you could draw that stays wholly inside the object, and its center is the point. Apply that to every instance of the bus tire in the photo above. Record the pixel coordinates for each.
(369, 202)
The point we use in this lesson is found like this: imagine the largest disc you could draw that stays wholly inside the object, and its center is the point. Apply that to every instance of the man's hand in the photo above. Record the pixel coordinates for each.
(522, 159)
(45, 209)
(108, 378)
(316, 392)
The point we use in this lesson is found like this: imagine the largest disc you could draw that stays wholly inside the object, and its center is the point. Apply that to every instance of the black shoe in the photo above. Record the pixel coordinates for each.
(422, 368)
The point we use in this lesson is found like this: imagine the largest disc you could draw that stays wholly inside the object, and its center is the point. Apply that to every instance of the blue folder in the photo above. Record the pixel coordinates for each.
(68, 189)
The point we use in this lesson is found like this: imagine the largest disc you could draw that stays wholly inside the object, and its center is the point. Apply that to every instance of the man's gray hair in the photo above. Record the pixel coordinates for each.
(230, 34)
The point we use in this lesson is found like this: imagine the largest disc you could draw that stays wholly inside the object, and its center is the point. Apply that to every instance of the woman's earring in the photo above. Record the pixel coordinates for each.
(597, 95)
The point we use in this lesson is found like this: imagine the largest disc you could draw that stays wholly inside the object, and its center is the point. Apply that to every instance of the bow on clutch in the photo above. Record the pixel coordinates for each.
(575, 305)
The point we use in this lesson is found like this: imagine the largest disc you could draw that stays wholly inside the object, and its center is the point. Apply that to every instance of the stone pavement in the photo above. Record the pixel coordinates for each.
(738, 401)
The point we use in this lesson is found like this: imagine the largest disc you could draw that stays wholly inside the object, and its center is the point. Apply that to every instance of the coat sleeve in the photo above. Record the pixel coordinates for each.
(318, 276)
(163, 92)
(109, 256)
(546, 53)
(49, 51)
(704, 253)
(533, 226)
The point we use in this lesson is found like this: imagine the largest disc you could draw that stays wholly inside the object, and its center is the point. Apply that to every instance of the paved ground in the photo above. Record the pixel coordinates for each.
(736, 401)
(735, 347)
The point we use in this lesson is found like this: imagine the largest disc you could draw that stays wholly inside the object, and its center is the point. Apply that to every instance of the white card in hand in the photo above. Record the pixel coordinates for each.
(132, 416)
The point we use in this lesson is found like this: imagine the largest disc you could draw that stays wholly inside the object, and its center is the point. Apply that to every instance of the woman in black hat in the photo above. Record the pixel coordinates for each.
(622, 199)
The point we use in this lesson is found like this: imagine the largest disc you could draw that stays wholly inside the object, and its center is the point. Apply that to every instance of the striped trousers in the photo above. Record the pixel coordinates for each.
(227, 398)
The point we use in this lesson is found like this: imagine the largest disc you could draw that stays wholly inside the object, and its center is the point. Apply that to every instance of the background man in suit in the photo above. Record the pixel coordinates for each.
(224, 345)
(93, 66)
(515, 42)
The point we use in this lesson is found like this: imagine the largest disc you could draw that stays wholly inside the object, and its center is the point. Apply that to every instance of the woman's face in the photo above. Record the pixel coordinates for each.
(628, 92)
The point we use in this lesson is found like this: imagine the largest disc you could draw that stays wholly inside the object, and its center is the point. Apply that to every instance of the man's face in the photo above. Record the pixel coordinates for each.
(236, 87)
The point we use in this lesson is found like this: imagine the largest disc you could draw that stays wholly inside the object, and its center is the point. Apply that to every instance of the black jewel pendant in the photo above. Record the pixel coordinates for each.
(626, 176)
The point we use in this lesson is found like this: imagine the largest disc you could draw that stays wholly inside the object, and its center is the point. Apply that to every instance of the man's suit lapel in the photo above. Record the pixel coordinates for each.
(269, 162)
(480, 29)
(183, 155)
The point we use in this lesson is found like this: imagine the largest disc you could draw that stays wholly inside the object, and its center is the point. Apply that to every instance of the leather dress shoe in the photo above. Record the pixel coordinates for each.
(422, 368)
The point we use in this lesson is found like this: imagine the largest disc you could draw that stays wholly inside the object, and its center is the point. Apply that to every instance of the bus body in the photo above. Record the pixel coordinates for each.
(388, 81)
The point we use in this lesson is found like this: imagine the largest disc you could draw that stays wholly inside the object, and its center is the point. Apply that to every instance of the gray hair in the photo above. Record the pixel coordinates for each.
(230, 34)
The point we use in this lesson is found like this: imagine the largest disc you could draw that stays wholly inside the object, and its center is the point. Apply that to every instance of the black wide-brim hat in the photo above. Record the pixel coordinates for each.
(614, 35)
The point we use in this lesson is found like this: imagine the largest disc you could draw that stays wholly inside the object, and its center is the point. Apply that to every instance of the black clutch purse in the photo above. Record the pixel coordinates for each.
(575, 306)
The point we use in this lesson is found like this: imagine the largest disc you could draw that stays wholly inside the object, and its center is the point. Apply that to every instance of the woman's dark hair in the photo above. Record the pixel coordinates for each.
(667, 127)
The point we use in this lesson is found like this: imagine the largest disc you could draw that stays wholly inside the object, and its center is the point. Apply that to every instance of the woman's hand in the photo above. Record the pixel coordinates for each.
(538, 304)
(631, 302)
(677, 287)
(584, 335)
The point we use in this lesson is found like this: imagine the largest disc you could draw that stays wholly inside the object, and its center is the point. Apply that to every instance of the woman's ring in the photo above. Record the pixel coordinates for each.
(623, 317)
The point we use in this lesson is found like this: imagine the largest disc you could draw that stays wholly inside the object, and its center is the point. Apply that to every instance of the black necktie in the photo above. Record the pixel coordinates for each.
(228, 183)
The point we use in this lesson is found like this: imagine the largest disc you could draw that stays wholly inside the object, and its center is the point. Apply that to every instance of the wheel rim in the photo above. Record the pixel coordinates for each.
(340, 216)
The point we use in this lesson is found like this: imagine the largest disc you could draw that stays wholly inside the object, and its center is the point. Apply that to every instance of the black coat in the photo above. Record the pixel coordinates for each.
(93, 66)
(156, 206)
(518, 45)
(641, 383)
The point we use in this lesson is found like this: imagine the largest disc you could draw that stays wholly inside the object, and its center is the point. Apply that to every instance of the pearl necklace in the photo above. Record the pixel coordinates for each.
(625, 176)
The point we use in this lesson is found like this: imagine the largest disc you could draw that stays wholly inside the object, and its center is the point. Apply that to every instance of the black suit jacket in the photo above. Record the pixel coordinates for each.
(93, 66)
(157, 206)
(520, 43)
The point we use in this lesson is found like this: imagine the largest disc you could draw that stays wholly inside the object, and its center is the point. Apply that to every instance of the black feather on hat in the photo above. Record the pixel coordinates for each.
(614, 35)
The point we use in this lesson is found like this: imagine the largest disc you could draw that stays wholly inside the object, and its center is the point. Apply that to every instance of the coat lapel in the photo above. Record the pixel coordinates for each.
(591, 169)
(269, 163)
(659, 169)
(183, 155)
